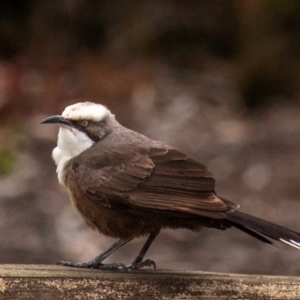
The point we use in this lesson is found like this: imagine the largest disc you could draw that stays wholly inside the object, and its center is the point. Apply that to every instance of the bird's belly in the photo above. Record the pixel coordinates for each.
(121, 223)
(111, 222)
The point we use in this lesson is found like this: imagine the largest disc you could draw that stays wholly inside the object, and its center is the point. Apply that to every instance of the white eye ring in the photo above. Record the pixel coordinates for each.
(84, 123)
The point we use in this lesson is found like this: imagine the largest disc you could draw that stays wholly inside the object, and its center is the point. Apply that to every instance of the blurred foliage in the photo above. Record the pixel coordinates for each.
(259, 37)
(7, 160)
(268, 59)
(14, 27)
(13, 139)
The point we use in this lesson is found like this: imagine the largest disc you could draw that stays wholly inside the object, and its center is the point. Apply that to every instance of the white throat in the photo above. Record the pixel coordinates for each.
(70, 143)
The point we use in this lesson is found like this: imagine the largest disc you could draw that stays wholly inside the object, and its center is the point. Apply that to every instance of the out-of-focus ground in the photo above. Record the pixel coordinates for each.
(218, 81)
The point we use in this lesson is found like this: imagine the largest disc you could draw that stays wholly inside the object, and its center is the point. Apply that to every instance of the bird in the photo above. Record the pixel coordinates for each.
(126, 185)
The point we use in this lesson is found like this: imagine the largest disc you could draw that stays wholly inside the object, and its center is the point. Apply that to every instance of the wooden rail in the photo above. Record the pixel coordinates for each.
(56, 282)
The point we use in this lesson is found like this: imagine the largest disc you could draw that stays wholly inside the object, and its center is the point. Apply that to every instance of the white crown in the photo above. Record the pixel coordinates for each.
(86, 111)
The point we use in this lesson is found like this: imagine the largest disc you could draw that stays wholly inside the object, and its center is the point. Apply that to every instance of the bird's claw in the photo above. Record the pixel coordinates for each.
(141, 264)
(94, 265)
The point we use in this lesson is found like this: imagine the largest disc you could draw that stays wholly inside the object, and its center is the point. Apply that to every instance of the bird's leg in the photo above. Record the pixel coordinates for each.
(139, 263)
(96, 263)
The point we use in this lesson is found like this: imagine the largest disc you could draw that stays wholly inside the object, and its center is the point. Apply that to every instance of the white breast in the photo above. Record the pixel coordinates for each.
(70, 143)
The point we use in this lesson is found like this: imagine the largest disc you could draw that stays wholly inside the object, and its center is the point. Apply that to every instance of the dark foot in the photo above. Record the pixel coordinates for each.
(93, 265)
(141, 264)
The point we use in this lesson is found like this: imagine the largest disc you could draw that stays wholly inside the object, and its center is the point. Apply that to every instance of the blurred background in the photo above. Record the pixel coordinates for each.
(217, 79)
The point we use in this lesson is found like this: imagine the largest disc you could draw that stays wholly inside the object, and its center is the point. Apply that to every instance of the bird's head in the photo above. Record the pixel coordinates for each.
(85, 117)
(81, 125)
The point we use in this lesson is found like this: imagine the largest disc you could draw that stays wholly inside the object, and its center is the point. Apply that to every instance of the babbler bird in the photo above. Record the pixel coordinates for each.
(126, 185)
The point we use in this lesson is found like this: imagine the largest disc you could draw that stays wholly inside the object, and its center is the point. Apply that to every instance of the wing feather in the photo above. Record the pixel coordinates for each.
(160, 179)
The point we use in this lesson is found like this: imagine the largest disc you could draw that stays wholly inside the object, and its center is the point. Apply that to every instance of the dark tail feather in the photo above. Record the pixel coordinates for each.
(263, 230)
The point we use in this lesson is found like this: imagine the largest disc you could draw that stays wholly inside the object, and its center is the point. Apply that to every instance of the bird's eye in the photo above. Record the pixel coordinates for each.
(84, 123)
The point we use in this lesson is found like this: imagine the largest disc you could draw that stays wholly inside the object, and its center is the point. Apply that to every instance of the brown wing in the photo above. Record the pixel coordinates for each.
(158, 179)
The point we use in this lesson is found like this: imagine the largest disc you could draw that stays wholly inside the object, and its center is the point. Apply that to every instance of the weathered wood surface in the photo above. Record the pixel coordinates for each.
(56, 282)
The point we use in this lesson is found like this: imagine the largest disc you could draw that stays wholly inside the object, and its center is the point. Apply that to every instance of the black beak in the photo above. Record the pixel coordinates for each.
(57, 120)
